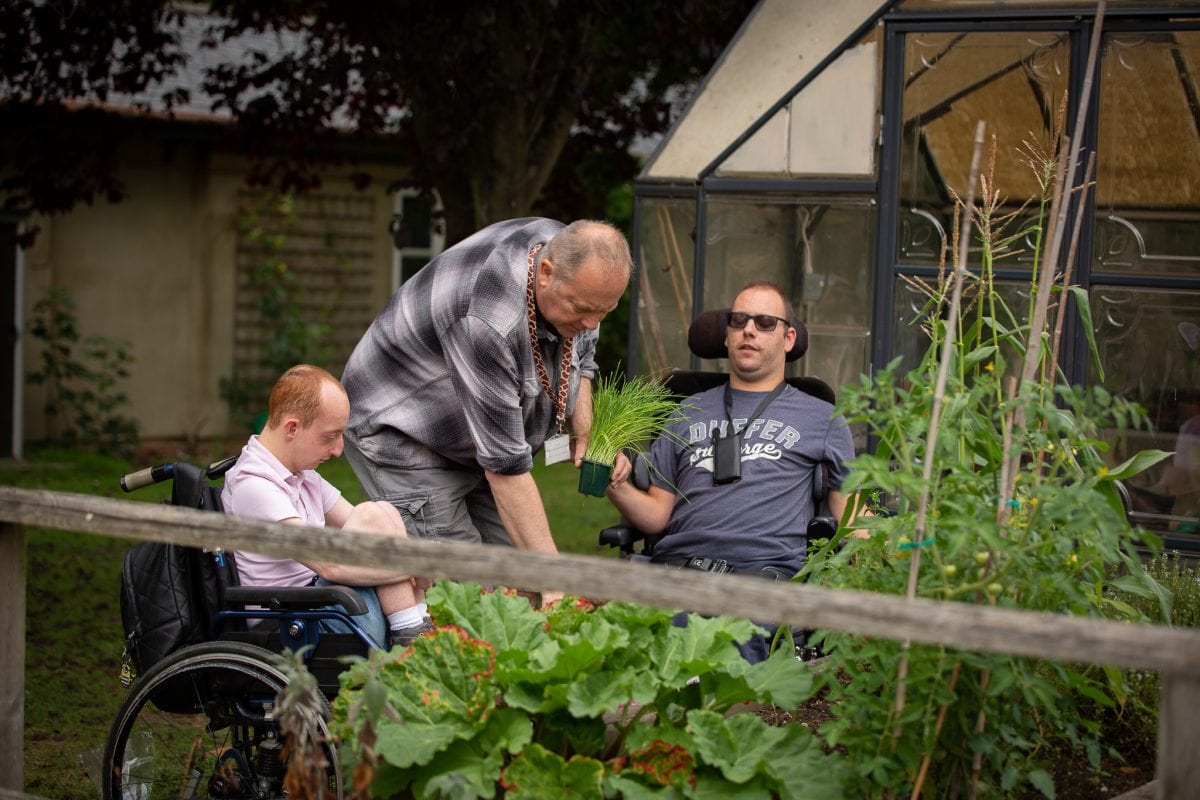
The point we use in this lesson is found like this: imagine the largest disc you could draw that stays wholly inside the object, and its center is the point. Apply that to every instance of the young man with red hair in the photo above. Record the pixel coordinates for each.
(275, 479)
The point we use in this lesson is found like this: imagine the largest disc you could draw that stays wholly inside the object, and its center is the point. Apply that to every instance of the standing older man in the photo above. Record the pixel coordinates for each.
(479, 360)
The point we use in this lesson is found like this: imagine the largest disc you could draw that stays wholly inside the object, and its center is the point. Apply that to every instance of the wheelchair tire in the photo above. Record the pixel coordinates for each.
(214, 734)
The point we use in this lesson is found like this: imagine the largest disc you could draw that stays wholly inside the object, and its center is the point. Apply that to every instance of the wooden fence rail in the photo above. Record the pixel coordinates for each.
(1173, 653)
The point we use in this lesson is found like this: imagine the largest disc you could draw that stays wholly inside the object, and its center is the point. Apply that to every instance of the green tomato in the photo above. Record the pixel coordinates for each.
(949, 570)
(982, 557)
(995, 588)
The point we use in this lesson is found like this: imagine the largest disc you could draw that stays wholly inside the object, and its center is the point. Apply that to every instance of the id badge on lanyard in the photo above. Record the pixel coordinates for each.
(558, 449)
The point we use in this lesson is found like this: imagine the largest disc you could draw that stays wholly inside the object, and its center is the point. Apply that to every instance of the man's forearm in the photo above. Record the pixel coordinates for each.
(858, 509)
(580, 422)
(355, 576)
(649, 512)
(521, 511)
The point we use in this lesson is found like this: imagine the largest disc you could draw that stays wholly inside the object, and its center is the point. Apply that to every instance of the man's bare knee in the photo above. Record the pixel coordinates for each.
(376, 516)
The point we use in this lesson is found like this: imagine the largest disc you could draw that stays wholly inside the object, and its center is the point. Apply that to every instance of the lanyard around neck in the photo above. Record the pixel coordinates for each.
(564, 373)
(766, 401)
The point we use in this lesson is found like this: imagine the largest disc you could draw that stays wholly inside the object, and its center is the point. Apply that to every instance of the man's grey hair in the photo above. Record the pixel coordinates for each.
(589, 240)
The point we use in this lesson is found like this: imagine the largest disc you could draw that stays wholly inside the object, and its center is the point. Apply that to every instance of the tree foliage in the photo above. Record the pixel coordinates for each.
(481, 99)
(59, 52)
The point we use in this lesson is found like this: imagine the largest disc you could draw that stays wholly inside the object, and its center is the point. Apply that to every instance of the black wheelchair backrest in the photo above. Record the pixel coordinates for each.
(190, 488)
(706, 335)
(706, 338)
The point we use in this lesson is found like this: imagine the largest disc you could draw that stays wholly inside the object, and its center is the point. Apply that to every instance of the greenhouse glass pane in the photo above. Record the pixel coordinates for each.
(665, 261)
(1015, 82)
(828, 130)
(1149, 343)
(820, 251)
(994, 5)
(1148, 170)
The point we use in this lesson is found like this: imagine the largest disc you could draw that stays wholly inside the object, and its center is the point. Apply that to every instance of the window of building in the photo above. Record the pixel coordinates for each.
(418, 233)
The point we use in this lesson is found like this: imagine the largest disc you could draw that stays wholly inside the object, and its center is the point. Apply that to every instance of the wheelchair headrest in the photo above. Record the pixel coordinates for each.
(706, 336)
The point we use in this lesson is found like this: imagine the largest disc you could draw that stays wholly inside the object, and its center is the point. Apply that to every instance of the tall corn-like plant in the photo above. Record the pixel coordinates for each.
(1005, 498)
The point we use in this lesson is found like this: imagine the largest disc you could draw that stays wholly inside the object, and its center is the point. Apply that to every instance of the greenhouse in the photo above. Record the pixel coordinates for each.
(825, 151)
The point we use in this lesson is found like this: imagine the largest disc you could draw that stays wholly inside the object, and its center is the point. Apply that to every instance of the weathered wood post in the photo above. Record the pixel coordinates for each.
(12, 656)
(1178, 767)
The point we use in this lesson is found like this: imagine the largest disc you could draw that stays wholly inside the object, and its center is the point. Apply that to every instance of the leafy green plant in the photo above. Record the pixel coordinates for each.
(579, 701)
(74, 586)
(1000, 494)
(84, 403)
(296, 334)
(1181, 580)
(1133, 718)
(626, 414)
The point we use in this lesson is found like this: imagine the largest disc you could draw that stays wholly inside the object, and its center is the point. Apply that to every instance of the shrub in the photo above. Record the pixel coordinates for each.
(1132, 719)
(85, 403)
(296, 334)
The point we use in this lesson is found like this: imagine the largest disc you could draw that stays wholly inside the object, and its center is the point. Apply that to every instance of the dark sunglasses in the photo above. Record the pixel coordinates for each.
(764, 322)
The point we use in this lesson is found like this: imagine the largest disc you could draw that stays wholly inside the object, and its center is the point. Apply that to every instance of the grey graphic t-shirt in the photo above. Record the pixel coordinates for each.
(761, 519)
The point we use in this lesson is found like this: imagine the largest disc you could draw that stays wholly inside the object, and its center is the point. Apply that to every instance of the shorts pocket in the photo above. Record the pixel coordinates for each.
(416, 510)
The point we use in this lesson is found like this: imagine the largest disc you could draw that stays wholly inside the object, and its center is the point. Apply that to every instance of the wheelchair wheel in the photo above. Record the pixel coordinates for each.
(200, 724)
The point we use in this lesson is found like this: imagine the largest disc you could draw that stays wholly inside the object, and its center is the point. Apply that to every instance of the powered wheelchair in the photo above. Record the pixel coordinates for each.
(706, 339)
(201, 722)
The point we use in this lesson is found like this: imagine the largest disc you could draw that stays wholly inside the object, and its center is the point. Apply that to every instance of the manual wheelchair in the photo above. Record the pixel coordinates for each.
(201, 721)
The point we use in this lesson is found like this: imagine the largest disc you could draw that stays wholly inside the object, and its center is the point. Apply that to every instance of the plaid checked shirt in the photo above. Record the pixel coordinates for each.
(445, 376)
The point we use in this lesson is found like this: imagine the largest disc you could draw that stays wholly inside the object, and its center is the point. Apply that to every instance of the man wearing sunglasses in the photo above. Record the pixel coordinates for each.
(732, 482)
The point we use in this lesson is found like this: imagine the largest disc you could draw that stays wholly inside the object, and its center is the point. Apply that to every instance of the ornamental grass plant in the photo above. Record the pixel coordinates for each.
(626, 415)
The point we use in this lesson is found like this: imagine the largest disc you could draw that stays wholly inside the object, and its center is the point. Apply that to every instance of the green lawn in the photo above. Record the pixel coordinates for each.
(73, 629)
(575, 519)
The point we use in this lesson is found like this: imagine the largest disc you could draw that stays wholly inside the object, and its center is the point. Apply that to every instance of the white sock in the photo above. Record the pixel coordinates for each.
(407, 617)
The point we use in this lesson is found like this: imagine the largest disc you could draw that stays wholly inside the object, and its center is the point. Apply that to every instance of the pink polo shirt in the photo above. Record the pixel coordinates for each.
(259, 486)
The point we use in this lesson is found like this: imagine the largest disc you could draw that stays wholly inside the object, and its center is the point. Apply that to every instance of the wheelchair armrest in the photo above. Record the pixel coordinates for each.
(625, 536)
(622, 536)
(278, 598)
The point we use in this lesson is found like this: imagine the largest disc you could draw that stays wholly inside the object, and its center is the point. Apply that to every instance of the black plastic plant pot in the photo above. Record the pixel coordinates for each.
(594, 477)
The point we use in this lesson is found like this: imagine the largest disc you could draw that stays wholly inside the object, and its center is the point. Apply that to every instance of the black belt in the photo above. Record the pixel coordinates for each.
(720, 565)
